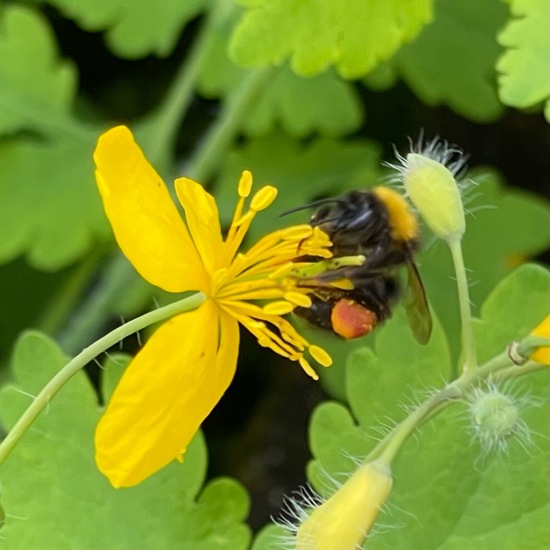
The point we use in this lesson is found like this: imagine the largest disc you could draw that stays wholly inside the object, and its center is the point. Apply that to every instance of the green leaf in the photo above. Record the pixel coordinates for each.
(227, 502)
(381, 384)
(449, 485)
(335, 440)
(398, 373)
(352, 35)
(50, 479)
(135, 28)
(49, 205)
(514, 308)
(467, 83)
(448, 494)
(324, 104)
(34, 82)
(524, 68)
(321, 104)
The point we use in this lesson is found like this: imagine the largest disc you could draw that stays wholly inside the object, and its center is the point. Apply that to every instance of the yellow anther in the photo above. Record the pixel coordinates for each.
(320, 355)
(296, 232)
(298, 299)
(278, 308)
(307, 368)
(263, 198)
(245, 184)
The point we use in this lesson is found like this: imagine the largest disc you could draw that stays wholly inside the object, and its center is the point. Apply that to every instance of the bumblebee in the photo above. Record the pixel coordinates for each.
(379, 225)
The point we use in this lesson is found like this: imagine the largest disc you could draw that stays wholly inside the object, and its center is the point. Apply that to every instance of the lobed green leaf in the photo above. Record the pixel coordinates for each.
(48, 201)
(524, 68)
(515, 307)
(352, 35)
(51, 481)
(452, 61)
(35, 84)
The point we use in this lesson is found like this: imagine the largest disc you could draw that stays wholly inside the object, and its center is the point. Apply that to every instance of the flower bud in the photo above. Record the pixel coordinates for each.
(432, 188)
(345, 519)
(494, 414)
(496, 417)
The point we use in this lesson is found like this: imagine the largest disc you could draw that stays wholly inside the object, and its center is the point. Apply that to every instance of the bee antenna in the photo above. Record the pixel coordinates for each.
(306, 206)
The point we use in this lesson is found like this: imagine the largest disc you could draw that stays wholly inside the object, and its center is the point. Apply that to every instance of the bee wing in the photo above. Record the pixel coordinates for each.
(416, 305)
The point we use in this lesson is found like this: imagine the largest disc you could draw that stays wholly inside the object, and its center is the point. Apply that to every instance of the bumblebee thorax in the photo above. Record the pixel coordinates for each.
(402, 221)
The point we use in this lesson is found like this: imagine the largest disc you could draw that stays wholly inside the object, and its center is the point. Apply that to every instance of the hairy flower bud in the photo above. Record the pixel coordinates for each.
(345, 519)
(432, 189)
(496, 417)
(429, 174)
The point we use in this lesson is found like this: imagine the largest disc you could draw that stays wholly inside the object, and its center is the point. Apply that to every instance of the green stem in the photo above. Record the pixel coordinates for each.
(438, 401)
(160, 128)
(519, 370)
(500, 361)
(83, 358)
(468, 342)
(389, 446)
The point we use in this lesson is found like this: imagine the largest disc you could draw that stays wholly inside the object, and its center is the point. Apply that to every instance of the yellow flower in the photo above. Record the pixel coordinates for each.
(174, 382)
(542, 354)
(345, 519)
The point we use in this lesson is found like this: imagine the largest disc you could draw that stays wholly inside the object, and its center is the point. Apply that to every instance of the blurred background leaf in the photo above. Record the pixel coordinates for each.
(458, 73)
(525, 73)
(134, 28)
(47, 197)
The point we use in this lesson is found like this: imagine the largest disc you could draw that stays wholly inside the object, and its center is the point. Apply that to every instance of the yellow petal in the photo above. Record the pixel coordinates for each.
(203, 220)
(166, 392)
(145, 220)
(542, 354)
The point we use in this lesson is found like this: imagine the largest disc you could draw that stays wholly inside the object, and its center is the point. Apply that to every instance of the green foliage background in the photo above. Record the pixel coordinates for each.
(311, 96)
